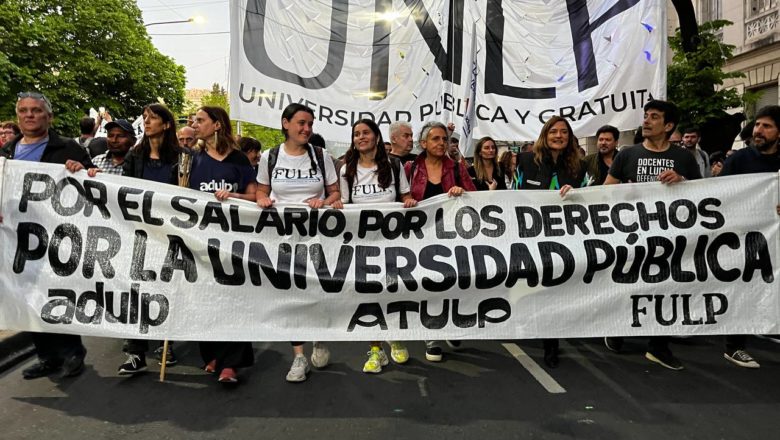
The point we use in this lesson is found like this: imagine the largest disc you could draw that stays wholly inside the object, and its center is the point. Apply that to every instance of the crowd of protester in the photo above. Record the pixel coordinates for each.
(205, 155)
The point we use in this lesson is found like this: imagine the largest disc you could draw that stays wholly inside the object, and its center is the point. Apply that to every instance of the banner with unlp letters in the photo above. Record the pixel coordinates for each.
(594, 62)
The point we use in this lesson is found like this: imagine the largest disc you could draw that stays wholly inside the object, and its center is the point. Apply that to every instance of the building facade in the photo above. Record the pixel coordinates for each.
(756, 37)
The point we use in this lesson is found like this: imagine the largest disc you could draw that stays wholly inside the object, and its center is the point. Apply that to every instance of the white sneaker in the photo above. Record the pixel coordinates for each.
(320, 355)
(743, 359)
(399, 352)
(298, 370)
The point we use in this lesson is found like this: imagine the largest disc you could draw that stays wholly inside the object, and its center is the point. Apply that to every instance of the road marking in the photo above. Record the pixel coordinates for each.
(603, 377)
(421, 385)
(536, 371)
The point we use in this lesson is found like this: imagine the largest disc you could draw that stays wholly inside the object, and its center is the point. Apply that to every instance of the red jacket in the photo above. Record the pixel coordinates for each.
(420, 178)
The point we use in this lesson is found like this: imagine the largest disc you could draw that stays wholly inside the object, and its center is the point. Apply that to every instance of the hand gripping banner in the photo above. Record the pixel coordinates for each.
(121, 257)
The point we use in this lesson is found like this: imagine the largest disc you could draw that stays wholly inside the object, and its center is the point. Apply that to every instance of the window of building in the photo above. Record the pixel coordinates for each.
(709, 10)
(768, 96)
(755, 8)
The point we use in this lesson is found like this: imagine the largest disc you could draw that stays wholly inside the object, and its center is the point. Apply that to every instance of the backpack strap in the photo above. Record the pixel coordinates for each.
(320, 157)
(350, 182)
(273, 156)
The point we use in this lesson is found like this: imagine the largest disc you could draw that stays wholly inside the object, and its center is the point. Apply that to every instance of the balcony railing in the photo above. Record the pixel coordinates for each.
(762, 19)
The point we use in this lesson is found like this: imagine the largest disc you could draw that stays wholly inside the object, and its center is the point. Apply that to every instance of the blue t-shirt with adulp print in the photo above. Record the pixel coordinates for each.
(233, 173)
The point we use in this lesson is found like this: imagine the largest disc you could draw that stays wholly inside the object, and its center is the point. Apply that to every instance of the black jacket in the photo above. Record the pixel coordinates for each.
(482, 185)
(134, 166)
(750, 160)
(533, 176)
(58, 150)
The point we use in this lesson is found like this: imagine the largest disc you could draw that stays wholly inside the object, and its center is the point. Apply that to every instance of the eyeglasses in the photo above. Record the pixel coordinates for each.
(33, 95)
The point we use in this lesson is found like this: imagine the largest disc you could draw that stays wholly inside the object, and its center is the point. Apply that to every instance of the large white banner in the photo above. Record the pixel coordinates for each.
(115, 256)
(595, 62)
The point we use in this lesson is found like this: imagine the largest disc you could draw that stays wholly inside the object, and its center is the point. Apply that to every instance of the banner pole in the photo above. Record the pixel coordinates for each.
(164, 360)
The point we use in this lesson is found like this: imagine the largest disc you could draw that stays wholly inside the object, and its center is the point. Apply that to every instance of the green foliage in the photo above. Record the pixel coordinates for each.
(694, 79)
(268, 137)
(217, 98)
(83, 54)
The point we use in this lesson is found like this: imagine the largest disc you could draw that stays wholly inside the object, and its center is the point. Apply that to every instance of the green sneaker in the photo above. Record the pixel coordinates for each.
(399, 353)
(376, 360)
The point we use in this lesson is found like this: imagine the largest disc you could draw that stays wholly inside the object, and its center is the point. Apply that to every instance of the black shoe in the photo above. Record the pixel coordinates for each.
(665, 358)
(454, 344)
(73, 366)
(551, 358)
(170, 358)
(614, 344)
(135, 364)
(433, 354)
(40, 369)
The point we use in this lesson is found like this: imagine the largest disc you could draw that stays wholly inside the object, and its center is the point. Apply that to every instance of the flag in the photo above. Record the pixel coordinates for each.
(470, 117)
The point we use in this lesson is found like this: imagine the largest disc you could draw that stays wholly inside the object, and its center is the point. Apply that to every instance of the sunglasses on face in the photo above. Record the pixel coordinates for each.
(33, 95)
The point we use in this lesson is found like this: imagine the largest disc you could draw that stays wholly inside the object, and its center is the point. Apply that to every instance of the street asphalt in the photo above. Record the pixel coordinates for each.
(485, 390)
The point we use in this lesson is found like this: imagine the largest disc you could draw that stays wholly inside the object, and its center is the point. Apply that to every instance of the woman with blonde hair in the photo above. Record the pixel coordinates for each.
(486, 172)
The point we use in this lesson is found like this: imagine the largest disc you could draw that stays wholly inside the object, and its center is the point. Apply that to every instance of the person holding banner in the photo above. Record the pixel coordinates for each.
(155, 159)
(296, 172)
(218, 166)
(38, 143)
(432, 173)
(485, 171)
(654, 159)
(761, 156)
(554, 164)
(370, 176)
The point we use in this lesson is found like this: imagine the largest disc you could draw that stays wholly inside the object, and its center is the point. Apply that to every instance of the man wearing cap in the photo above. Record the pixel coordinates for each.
(39, 143)
(121, 137)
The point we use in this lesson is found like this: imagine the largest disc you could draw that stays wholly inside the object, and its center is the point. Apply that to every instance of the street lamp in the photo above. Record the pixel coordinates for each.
(197, 19)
